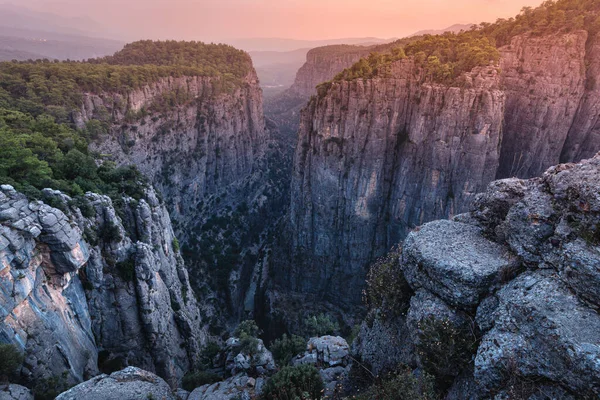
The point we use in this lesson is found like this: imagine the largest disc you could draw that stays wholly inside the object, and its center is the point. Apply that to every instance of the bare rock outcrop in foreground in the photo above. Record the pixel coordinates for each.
(520, 274)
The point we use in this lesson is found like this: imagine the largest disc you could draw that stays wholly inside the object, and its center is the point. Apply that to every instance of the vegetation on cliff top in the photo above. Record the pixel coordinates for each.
(39, 144)
(446, 57)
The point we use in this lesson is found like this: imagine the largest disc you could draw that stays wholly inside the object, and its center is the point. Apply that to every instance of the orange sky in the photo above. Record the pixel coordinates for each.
(300, 19)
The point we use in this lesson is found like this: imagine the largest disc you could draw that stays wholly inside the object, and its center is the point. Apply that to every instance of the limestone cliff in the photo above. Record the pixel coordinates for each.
(209, 154)
(103, 290)
(210, 139)
(378, 157)
(322, 64)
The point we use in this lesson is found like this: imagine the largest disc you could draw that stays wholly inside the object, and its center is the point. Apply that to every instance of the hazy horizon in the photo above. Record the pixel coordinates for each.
(226, 20)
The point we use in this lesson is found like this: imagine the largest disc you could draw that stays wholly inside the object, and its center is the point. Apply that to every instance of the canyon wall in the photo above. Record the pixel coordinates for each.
(378, 157)
(215, 162)
(89, 286)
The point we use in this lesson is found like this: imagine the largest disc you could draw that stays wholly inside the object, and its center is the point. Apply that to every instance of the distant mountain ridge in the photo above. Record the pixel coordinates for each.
(453, 28)
(282, 44)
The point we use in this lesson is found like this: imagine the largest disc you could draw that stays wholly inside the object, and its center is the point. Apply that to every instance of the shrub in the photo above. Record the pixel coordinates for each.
(247, 331)
(84, 205)
(208, 354)
(248, 328)
(10, 360)
(387, 291)
(49, 388)
(248, 344)
(110, 233)
(302, 382)
(401, 385)
(443, 348)
(321, 325)
(199, 378)
(176, 245)
(126, 269)
(286, 347)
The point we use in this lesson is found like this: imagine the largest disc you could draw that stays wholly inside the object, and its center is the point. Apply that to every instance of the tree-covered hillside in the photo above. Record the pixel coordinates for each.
(39, 144)
(445, 57)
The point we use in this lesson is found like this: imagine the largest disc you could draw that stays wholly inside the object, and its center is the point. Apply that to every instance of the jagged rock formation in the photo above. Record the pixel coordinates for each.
(128, 384)
(106, 289)
(517, 274)
(380, 156)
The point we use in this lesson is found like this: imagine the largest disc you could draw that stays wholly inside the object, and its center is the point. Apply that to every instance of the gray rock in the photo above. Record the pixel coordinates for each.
(15, 392)
(453, 261)
(541, 331)
(129, 384)
(237, 387)
(399, 153)
(137, 307)
(325, 350)
(261, 362)
(333, 379)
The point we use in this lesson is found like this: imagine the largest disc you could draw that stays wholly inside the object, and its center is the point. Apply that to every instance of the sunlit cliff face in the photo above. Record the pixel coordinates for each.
(302, 19)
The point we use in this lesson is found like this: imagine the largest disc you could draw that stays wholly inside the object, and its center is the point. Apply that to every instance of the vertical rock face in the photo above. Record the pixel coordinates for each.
(544, 79)
(378, 157)
(43, 308)
(322, 64)
(211, 140)
(584, 136)
(78, 292)
(212, 158)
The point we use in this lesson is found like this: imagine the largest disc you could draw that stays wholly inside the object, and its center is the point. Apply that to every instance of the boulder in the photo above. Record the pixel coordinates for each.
(261, 362)
(237, 387)
(382, 344)
(325, 351)
(453, 261)
(129, 384)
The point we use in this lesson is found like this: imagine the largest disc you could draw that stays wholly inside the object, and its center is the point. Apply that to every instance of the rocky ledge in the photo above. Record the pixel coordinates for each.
(511, 290)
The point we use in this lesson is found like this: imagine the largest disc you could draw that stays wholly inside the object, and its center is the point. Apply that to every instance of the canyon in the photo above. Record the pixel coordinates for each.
(275, 211)
(378, 157)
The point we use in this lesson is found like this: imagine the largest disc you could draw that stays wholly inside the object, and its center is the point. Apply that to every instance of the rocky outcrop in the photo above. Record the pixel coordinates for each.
(237, 387)
(330, 351)
(378, 157)
(104, 290)
(532, 322)
(15, 392)
(42, 301)
(129, 384)
(259, 362)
